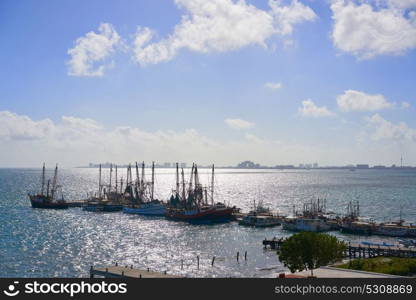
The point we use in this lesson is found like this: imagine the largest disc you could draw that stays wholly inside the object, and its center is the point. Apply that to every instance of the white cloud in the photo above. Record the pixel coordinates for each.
(90, 52)
(405, 104)
(273, 85)
(219, 26)
(386, 130)
(353, 100)
(75, 141)
(239, 123)
(402, 3)
(18, 127)
(309, 109)
(374, 27)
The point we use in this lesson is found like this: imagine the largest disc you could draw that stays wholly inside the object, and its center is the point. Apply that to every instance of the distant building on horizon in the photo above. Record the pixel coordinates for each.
(363, 166)
(248, 165)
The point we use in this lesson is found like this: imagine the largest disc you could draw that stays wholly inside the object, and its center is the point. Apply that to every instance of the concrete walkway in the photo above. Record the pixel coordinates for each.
(331, 272)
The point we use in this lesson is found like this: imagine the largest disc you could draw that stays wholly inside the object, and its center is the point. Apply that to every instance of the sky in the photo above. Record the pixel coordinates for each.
(219, 81)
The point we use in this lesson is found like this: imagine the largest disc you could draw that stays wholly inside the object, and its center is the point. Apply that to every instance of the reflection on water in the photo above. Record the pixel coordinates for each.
(46, 243)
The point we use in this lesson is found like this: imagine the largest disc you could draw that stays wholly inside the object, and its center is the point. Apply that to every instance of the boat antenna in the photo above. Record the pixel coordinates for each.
(43, 179)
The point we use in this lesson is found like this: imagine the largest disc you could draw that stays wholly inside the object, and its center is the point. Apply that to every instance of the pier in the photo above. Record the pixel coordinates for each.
(357, 250)
(127, 272)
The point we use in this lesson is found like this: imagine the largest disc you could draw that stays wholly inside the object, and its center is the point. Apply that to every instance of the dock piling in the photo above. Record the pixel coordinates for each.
(213, 260)
(245, 255)
(197, 259)
(238, 255)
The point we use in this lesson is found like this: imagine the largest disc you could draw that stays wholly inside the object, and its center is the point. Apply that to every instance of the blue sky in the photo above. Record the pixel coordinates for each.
(187, 97)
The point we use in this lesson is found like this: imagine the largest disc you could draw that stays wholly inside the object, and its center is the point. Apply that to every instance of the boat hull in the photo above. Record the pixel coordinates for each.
(313, 225)
(39, 201)
(146, 210)
(202, 216)
(256, 221)
(103, 208)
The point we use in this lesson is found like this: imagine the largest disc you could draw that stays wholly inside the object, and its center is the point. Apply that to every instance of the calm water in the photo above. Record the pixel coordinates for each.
(48, 243)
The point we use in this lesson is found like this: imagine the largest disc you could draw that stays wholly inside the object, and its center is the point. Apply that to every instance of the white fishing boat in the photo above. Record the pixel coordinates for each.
(142, 201)
(297, 223)
(259, 221)
(101, 202)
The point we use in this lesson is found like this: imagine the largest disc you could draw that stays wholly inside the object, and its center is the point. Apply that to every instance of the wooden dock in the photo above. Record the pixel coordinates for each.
(127, 272)
(357, 250)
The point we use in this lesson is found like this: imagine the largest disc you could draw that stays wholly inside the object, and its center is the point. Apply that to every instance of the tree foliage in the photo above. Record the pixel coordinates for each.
(310, 250)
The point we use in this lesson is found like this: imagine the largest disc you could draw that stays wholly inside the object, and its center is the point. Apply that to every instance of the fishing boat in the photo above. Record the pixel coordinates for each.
(305, 224)
(259, 221)
(353, 223)
(194, 206)
(312, 218)
(397, 228)
(48, 200)
(101, 202)
(141, 196)
(407, 243)
(260, 216)
(358, 227)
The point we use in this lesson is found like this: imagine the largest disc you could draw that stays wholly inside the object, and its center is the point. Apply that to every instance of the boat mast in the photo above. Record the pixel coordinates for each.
(55, 178)
(212, 185)
(128, 180)
(142, 179)
(116, 181)
(183, 186)
(99, 183)
(111, 172)
(137, 174)
(177, 179)
(196, 177)
(153, 180)
(43, 180)
(192, 174)
(47, 191)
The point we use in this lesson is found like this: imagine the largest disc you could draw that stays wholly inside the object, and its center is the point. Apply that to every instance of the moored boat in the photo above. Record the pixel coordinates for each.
(193, 205)
(142, 200)
(260, 216)
(305, 224)
(259, 221)
(48, 200)
(312, 218)
(101, 202)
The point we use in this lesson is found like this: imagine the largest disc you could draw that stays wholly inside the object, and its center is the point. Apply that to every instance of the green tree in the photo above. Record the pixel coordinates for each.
(310, 250)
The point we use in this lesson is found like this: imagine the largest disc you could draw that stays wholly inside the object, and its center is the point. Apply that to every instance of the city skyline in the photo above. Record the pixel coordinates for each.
(222, 81)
